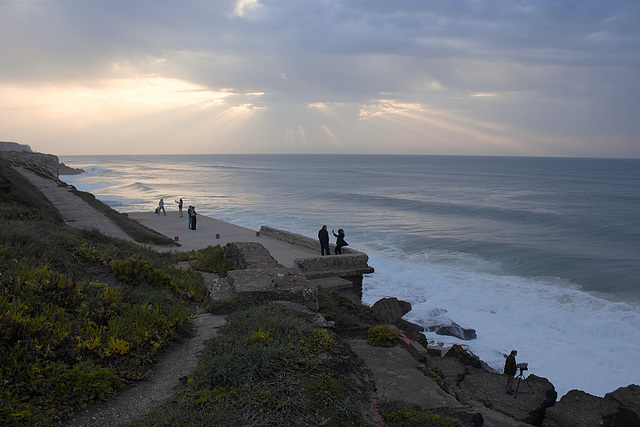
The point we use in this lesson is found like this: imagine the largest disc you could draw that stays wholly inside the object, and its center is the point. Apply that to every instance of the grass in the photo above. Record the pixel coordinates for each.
(81, 314)
(270, 366)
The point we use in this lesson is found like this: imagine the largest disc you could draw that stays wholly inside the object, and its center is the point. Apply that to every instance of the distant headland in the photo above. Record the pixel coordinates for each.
(23, 154)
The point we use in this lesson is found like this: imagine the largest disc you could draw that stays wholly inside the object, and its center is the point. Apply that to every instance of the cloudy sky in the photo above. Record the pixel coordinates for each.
(489, 77)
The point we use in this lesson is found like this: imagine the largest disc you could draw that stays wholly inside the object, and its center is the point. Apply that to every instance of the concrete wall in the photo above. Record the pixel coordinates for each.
(299, 239)
(338, 265)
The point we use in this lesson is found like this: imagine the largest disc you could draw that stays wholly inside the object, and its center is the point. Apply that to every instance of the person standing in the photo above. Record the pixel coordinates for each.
(161, 207)
(193, 217)
(323, 236)
(340, 242)
(179, 202)
(189, 215)
(510, 369)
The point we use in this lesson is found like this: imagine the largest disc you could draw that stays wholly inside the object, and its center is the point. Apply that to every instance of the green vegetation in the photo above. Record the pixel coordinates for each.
(230, 305)
(348, 315)
(382, 336)
(398, 414)
(209, 259)
(270, 366)
(80, 314)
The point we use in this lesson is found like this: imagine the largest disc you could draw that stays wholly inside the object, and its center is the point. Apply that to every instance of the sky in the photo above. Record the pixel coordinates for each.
(467, 77)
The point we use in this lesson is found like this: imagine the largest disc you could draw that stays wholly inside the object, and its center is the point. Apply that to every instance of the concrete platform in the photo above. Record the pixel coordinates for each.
(207, 230)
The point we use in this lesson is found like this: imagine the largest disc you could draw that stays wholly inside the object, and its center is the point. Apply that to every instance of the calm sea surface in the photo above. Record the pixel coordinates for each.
(537, 254)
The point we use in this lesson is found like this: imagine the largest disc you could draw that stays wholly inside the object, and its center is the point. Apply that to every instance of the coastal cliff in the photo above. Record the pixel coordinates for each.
(23, 154)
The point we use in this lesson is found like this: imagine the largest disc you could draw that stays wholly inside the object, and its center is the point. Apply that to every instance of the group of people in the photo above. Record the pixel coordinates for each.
(191, 212)
(323, 236)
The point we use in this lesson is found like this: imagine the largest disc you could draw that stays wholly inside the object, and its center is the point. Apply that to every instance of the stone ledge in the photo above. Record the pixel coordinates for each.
(299, 239)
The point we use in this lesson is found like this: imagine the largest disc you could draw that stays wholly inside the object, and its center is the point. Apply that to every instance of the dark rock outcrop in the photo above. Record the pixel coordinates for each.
(535, 395)
(446, 326)
(620, 408)
(465, 357)
(580, 409)
(474, 384)
(390, 310)
(629, 400)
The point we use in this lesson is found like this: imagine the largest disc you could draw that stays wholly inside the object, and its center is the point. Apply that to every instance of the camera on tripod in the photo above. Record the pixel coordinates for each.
(523, 367)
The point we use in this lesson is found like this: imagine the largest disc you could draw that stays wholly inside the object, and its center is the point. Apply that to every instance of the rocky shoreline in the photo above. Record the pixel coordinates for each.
(473, 383)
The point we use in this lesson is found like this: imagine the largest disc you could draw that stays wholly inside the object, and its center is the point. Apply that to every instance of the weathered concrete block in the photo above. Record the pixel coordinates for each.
(334, 265)
(282, 284)
(246, 255)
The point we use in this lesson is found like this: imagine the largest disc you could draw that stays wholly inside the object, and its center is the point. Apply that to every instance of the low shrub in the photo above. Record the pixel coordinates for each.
(382, 336)
(344, 311)
(398, 414)
(229, 305)
(211, 259)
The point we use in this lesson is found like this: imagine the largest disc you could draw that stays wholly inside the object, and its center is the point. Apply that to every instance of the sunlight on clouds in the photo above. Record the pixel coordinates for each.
(331, 136)
(244, 6)
(436, 125)
(174, 114)
(295, 137)
(112, 97)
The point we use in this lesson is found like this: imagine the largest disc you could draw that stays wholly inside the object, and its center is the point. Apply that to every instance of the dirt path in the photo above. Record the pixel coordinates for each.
(144, 396)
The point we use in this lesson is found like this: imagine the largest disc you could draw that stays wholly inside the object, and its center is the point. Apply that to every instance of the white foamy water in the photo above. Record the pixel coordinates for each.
(574, 339)
(538, 255)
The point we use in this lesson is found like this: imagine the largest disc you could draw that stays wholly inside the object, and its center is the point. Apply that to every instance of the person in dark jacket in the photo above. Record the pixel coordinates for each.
(323, 236)
(510, 370)
(194, 217)
(340, 242)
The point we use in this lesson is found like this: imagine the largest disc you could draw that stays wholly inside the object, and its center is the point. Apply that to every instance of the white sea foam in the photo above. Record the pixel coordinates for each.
(574, 339)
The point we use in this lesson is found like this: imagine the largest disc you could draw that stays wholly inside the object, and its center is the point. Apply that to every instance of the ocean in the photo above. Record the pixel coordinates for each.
(541, 255)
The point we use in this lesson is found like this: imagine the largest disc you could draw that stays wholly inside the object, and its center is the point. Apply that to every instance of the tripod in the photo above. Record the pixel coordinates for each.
(521, 377)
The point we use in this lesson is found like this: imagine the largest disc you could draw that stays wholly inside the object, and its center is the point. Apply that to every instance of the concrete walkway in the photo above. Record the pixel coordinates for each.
(75, 211)
(212, 232)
